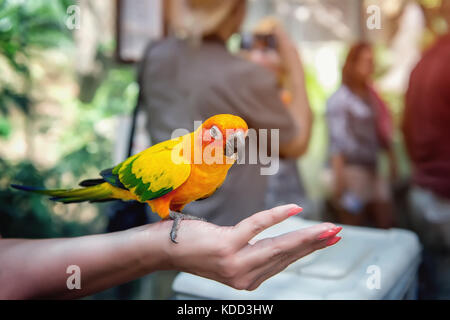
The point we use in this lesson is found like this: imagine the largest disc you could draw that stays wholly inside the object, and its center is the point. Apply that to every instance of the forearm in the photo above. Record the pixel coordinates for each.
(302, 115)
(37, 268)
(338, 164)
(299, 108)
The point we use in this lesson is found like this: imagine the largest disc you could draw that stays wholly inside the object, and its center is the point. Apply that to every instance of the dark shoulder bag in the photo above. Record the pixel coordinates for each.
(128, 214)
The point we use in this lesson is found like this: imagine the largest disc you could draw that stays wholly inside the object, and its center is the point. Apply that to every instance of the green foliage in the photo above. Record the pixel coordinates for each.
(27, 30)
(312, 163)
(28, 215)
(24, 27)
(5, 127)
(116, 93)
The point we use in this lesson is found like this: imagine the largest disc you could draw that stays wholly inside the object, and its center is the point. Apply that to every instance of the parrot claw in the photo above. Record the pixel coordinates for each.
(177, 217)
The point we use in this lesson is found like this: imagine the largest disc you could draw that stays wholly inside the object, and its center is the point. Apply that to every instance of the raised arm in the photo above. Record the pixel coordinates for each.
(299, 107)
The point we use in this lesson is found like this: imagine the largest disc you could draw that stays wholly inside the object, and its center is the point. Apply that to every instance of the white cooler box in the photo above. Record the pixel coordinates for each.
(366, 264)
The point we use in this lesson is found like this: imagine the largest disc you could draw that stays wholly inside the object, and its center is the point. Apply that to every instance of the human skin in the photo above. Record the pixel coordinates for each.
(31, 269)
(293, 68)
(299, 107)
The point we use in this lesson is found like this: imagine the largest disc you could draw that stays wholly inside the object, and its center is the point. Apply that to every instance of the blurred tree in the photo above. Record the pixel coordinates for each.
(30, 31)
(24, 27)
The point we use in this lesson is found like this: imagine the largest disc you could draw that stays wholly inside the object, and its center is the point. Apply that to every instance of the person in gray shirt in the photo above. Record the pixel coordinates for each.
(190, 78)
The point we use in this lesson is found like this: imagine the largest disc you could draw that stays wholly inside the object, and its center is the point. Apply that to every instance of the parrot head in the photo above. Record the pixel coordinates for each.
(227, 131)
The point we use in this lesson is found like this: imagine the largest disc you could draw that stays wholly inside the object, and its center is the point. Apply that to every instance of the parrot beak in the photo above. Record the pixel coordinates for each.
(235, 145)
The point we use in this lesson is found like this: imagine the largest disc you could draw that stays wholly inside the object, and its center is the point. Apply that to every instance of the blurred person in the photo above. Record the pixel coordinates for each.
(260, 47)
(32, 269)
(360, 127)
(427, 134)
(192, 76)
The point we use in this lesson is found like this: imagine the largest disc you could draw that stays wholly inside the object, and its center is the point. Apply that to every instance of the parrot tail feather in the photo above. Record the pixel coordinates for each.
(95, 193)
(91, 182)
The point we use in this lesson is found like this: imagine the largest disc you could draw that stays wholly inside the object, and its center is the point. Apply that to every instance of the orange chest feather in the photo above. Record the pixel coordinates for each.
(203, 181)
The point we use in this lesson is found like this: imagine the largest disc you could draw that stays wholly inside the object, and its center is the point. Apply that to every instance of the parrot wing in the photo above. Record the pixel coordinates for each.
(152, 173)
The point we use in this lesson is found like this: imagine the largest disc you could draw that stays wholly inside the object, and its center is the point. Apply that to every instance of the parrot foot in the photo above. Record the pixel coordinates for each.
(177, 217)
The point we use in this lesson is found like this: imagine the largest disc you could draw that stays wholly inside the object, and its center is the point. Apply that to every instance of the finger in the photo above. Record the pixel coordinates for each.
(273, 267)
(276, 266)
(269, 273)
(250, 227)
(312, 237)
(270, 249)
(272, 253)
(324, 240)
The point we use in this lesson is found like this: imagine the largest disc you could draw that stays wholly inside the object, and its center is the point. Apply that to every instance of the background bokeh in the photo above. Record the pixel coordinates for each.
(64, 95)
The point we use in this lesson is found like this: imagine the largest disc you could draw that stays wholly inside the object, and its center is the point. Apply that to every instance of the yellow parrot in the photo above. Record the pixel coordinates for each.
(170, 174)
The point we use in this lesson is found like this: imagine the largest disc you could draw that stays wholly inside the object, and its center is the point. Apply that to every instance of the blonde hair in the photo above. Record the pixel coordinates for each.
(198, 18)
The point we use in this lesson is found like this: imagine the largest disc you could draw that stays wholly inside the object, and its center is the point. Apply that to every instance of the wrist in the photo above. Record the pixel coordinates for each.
(152, 246)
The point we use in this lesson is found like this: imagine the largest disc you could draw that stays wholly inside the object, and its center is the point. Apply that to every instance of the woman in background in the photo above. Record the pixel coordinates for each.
(359, 127)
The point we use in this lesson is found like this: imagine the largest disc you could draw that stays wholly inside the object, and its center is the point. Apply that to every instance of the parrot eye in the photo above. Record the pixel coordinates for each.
(215, 133)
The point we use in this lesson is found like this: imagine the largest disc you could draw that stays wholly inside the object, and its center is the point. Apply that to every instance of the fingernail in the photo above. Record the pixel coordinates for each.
(294, 211)
(333, 241)
(329, 233)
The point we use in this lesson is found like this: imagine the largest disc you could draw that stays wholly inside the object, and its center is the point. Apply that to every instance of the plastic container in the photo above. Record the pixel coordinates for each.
(366, 264)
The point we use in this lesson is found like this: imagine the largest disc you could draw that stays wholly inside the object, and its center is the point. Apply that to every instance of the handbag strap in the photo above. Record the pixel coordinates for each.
(142, 67)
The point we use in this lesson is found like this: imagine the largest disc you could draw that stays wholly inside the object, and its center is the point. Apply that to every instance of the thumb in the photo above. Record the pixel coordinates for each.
(250, 227)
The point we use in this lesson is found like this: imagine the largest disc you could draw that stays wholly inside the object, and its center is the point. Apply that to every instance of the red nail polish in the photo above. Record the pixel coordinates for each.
(333, 241)
(294, 211)
(329, 233)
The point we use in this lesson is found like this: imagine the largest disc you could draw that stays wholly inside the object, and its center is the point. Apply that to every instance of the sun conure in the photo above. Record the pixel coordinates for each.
(170, 174)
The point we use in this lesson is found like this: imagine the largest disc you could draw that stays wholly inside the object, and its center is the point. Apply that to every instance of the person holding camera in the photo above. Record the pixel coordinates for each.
(260, 47)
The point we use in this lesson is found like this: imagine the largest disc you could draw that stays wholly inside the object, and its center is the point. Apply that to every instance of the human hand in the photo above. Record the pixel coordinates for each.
(288, 52)
(225, 254)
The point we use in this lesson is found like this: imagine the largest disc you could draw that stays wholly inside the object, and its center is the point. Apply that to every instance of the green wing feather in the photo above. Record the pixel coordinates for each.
(96, 193)
(149, 175)
(155, 171)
